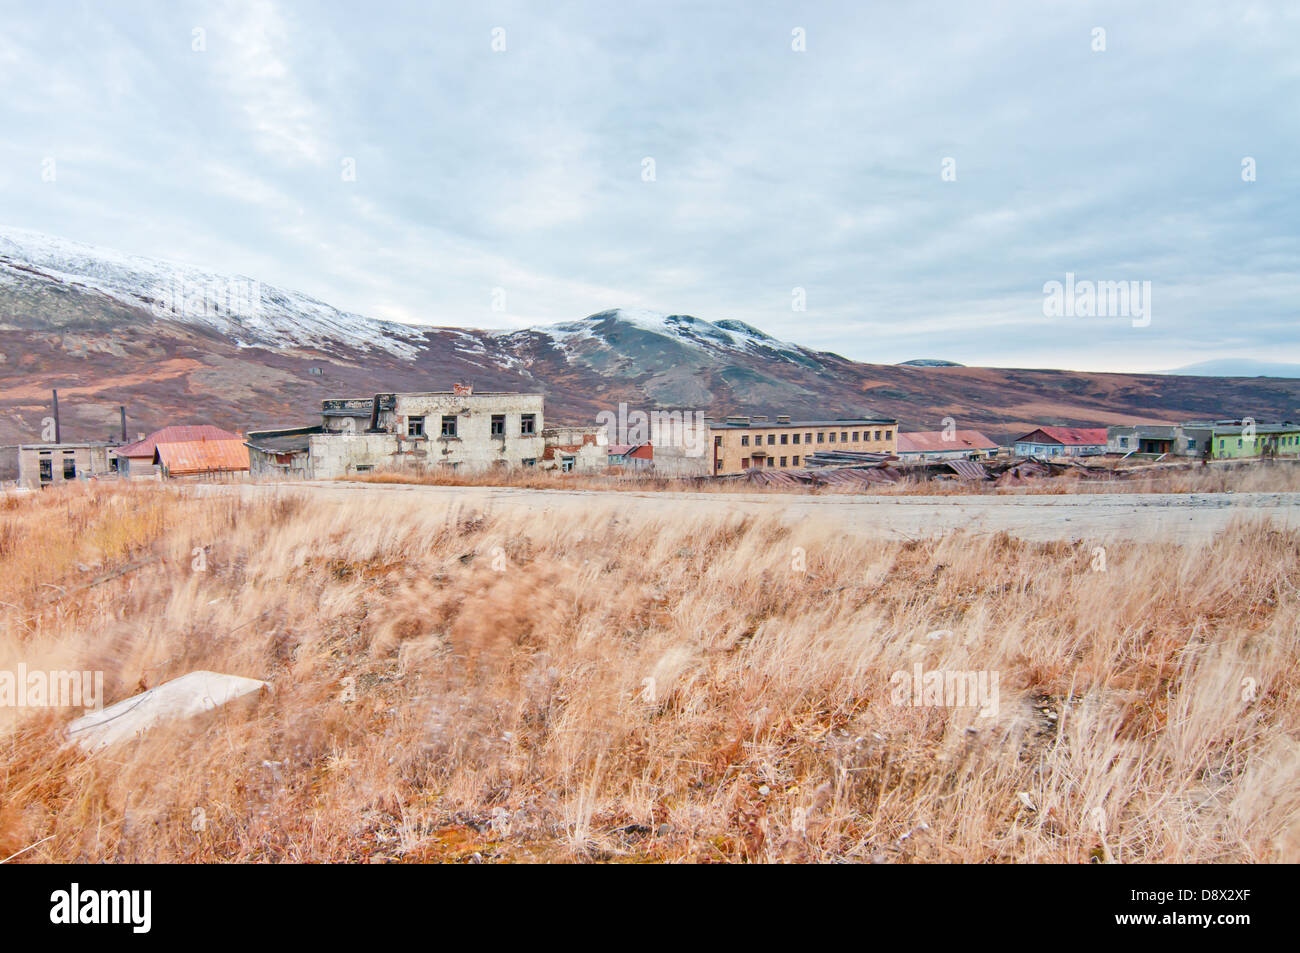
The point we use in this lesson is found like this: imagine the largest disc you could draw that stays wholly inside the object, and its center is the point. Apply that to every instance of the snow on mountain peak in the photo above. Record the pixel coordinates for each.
(249, 312)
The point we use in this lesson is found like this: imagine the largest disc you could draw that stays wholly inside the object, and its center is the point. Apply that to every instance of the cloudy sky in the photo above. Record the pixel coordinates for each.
(701, 158)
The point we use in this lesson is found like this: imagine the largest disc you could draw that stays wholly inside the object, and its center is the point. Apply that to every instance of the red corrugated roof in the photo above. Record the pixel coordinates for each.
(147, 446)
(202, 456)
(1075, 436)
(933, 441)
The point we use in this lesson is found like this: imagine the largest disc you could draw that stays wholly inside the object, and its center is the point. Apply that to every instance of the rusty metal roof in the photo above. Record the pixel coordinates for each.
(202, 456)
(935, 441)
(1069, 436)
(147, 446)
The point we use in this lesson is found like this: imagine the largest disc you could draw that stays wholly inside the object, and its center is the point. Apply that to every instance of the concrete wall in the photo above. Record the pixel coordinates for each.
(86, 460)
(343, 455)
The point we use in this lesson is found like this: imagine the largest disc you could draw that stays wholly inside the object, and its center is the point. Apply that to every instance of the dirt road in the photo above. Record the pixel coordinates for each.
(1179, 517)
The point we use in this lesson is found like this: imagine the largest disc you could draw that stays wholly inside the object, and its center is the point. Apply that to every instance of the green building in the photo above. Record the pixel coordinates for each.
(1238, 439)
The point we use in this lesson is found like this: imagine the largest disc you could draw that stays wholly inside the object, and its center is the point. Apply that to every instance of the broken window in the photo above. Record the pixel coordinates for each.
(69, 468)
(448, 425)
(415, 426)
(498, 425)
(527, 425)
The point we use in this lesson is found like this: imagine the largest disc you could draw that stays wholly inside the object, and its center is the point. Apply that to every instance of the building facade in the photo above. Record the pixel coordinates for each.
(452, 429)
(45, 464)
(1062, 442)
(738, 444)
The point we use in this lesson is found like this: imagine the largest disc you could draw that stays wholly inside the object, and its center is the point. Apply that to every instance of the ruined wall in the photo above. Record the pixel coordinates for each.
(474, 446)
(84, 461)
(341, 455)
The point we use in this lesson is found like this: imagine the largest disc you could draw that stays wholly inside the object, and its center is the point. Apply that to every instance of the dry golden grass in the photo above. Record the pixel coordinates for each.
(453, 686)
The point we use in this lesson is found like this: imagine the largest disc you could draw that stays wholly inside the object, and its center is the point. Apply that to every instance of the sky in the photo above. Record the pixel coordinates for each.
(885, 180)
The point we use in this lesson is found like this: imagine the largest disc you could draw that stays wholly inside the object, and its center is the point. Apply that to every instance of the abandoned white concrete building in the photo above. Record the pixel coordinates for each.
(457, 429)
(43, 464)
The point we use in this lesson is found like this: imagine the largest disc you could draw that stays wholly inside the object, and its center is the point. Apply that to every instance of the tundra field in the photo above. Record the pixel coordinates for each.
(623, 684)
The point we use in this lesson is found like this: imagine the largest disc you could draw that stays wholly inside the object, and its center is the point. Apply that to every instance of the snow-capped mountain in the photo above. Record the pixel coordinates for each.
(240, 308)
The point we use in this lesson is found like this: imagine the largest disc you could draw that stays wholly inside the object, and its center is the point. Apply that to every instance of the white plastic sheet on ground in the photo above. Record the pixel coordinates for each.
(179, 698)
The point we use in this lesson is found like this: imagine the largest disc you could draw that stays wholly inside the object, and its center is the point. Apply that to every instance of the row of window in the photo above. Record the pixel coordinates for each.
(771, 461)
(822, 437)
(527, 425)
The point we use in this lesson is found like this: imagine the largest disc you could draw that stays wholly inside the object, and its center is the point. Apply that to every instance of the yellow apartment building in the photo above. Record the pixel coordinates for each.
(740, 443)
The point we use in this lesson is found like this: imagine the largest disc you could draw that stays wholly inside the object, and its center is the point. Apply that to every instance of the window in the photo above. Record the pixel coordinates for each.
(744, 463)
(889, 435)
(785, 438)
(364, 467)
(47, 470)
(498, 425)
(448, 425)
(769, 461)
(771, 439)
(69, 468)
(821, 438)
(795, 439)
(877, 434)
(1239, 441)
(744, 440)
(832, 440)
(566, 465)
(1191, 442)
(415, 426)
(717, 441)
(1123, 442)
(795, 461)
(844, 436)
(527, 425)
(717, 464)
(783, 461)
(529, 461)
(855, 436)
